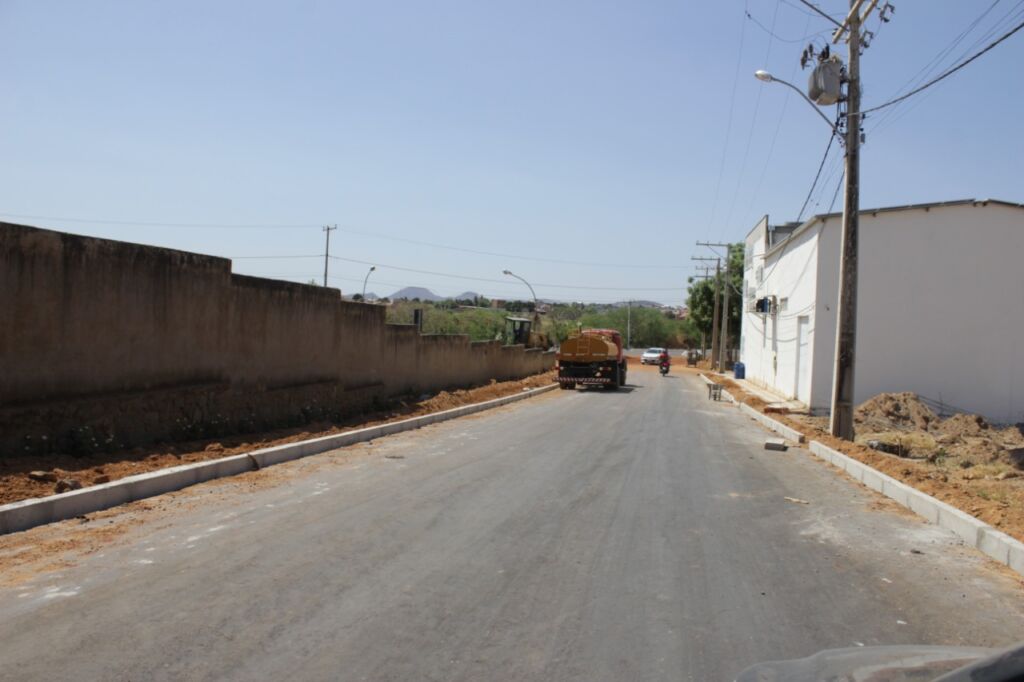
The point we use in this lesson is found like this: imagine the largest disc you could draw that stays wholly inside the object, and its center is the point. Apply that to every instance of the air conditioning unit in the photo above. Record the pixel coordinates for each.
(768, 305)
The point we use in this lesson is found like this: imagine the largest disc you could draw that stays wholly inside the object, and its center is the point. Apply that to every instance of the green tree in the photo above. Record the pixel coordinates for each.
(701, 297)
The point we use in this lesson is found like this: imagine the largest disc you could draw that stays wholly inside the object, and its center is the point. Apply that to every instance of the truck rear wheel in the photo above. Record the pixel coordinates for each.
(566, 386)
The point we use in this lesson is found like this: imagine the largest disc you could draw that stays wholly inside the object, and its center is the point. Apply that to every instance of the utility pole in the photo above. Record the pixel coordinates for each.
(629, 323)
(706, 274)
(718, 352)
(714, 316)
(724, 341)
(327, 249)
(841, 423)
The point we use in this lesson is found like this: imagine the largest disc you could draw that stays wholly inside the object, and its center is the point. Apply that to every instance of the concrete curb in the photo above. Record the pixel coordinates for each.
(19, 516)
(776, 426)
(974, 532)
(725, 394)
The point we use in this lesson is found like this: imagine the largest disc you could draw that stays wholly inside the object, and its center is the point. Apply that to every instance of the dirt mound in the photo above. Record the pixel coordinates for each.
(961, 425)
(895, 410)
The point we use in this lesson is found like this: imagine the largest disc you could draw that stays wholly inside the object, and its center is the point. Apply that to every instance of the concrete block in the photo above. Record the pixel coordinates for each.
(1016, 560)
(872, 479)
(19, 516)
(961, 523)
(995, 544)
(923, 505)
(896, 490)
(776, 444)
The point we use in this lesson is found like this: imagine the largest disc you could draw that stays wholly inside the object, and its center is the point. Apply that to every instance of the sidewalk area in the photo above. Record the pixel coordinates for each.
(774, 402)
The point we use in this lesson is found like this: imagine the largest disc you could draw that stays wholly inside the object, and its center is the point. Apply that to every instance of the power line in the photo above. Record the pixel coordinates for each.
(349, 230)
(890, 116)
(280, 257)
(728, 125)
(947, 73)
(819, 12)
(817, 175)
(502, 281)
(779, 38)
(778, 126)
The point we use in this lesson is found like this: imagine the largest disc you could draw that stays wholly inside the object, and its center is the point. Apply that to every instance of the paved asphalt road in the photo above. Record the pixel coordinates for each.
(638, 535)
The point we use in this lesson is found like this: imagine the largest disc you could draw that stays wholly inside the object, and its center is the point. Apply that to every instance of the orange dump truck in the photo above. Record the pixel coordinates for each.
(592, 357)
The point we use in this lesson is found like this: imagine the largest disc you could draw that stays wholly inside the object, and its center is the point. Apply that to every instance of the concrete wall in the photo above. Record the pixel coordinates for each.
(940, 308)
(140, 343)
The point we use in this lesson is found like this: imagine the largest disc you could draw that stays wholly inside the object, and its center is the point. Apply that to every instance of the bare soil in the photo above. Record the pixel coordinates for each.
(15, 483)
(962, 460)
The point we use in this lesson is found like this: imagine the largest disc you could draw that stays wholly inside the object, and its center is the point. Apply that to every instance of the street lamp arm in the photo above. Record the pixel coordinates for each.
(768, 78)
(532, 292)
(365, 279)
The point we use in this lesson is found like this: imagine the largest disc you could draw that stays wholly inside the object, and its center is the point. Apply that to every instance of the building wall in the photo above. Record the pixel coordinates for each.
(789, 273)
(147, 343)
(940, 308)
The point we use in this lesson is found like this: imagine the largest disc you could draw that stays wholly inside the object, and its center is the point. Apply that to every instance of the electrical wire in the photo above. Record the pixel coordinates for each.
(945, 74)
(893, 114)
(817, 175)
(501, 281)
(348, 230)
(753, 124)
(728, 125)
(770, 32)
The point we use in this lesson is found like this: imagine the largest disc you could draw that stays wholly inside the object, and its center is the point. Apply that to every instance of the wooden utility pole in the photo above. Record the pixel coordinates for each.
(327, 249)
(841, 424)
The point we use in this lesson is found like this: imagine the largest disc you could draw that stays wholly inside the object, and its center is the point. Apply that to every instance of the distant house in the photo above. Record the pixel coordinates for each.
(940, 306)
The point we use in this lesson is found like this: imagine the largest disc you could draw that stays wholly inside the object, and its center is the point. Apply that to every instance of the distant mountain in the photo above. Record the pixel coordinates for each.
(421, 293)
(466, 296)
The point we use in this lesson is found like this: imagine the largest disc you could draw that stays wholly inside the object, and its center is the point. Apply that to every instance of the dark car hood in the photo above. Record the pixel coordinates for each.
(869, 664)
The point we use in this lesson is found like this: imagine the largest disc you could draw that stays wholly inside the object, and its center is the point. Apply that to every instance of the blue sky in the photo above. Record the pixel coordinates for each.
(585, 131)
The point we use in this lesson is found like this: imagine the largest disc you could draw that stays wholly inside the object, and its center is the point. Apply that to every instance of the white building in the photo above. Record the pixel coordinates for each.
(940, 306)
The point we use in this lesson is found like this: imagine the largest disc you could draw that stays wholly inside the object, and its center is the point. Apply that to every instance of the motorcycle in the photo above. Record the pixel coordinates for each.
(663, 368)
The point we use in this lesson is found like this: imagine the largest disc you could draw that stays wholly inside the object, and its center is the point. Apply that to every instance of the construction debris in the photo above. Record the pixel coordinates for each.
(776, 444)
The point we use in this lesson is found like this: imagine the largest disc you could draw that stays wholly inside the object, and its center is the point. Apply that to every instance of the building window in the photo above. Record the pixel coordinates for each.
(783, 305)
(760, 274)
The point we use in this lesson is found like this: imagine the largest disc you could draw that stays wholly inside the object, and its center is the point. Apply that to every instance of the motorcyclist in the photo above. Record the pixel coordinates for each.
(664, 358)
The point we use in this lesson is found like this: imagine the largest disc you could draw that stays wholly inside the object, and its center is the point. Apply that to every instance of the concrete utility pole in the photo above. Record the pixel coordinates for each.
(714, 316)
(841, 424)
(724, 342)
(327, 249)
(723, 339)
(629, 323)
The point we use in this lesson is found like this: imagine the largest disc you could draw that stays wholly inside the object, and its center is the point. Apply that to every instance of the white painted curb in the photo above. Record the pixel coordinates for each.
(776, 426)
(974, 532)
(19, 516)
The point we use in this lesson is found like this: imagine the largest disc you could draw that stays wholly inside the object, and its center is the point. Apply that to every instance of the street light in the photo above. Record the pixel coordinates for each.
(766, 77)
(512, 274)
(365, 279)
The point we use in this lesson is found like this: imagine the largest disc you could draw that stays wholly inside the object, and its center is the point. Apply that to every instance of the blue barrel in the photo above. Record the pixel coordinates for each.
(739, 370)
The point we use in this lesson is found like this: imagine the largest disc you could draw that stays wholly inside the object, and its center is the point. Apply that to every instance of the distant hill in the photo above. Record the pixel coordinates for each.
(638, 304)
(466, 296)
(421, 293)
